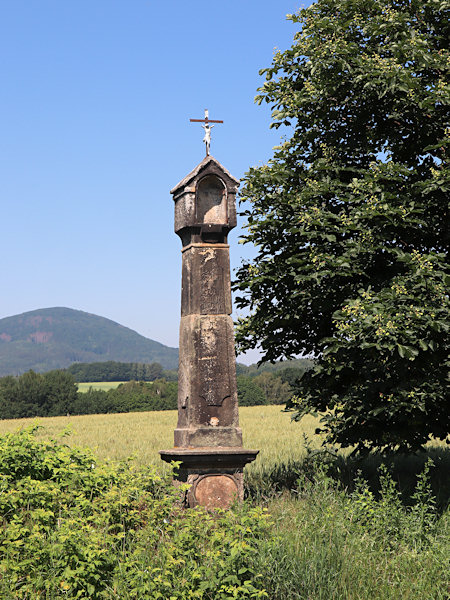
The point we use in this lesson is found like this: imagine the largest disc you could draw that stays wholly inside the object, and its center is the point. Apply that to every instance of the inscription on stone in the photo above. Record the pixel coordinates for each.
(214, 360)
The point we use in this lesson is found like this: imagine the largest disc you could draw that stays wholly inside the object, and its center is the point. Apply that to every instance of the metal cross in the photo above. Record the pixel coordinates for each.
(207, 127)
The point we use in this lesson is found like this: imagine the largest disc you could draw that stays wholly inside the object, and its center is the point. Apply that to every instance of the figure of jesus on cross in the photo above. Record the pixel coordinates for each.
(207, 127)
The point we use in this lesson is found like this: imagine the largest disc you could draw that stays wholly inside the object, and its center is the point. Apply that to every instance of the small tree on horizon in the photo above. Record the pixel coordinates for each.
(350, 221)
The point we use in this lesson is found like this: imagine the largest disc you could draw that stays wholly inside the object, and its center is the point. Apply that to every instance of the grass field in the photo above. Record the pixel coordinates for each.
(281, 443)
(142, 434)
(98, 385)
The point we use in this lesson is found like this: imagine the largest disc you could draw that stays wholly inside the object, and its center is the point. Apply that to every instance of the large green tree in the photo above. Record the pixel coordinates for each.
(351, 223)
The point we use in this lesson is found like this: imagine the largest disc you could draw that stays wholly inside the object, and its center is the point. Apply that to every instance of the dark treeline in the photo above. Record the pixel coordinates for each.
(123, 371)
(297, 365)
(270, 383)
(263, 389)
(56, 393)
(119, 371)
(37, 395)
(132, 396)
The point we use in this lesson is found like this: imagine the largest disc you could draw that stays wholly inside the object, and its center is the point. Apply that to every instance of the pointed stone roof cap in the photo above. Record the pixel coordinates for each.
(206, 162)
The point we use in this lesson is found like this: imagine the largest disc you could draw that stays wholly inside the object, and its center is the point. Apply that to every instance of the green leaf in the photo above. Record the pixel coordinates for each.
(423, 345)
(348, 220)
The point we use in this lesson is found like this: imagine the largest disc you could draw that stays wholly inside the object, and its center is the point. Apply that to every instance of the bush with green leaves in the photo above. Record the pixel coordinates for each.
(76, 529)
(249, 392)
(350, 219)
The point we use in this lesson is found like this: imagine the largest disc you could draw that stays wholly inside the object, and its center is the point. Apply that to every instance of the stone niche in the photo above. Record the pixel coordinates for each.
(205, 204)
(211, 201)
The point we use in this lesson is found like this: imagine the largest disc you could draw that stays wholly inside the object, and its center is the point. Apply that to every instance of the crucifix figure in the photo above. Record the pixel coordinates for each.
(207, 127)
(207, 138)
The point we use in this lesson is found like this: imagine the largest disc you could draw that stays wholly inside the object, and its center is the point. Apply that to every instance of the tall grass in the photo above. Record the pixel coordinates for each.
(117, 436)
(330, 538)
(329, 545)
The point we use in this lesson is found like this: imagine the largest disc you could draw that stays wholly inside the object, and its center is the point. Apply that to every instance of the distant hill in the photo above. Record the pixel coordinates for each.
(54, 338)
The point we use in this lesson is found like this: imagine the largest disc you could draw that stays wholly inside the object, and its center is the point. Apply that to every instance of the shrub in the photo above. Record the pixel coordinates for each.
(76, 529)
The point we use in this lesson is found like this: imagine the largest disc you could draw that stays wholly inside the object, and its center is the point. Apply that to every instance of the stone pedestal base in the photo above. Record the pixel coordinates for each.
(208, 436)
(215, 474)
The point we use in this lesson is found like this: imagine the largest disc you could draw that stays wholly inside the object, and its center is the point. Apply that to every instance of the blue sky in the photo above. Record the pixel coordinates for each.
(95, 102)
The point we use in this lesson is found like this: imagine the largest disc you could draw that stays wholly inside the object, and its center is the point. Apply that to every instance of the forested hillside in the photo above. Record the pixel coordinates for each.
(54, 338)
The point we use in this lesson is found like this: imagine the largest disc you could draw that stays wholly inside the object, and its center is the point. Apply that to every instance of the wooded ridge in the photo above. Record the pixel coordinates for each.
(54, 338)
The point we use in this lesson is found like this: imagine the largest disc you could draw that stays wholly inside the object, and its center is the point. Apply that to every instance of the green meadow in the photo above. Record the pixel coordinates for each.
(99, 385)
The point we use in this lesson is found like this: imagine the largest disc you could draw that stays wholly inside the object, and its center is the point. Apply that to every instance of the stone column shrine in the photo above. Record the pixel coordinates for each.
(208, 439)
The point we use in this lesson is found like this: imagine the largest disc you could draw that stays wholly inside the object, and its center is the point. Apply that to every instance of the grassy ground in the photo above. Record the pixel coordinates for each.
(328, 539)
(332, 546)
(98, 385)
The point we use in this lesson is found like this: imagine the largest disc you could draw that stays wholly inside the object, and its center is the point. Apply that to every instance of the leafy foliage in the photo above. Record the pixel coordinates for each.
(72, 527)
(358, 546)
(132, 396)
(350, 219)
(55, 393)
(270, 383)
(76, 529)
(249, 392)
(35, 394)
(300, 365)
(262, 389)
(387, 519)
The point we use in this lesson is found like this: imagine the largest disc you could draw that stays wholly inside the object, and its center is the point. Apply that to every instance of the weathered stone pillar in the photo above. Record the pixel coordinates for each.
(208, 439)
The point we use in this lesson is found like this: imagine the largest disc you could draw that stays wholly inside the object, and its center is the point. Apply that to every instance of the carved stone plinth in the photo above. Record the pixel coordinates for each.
(214, 473)
(208, 439)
